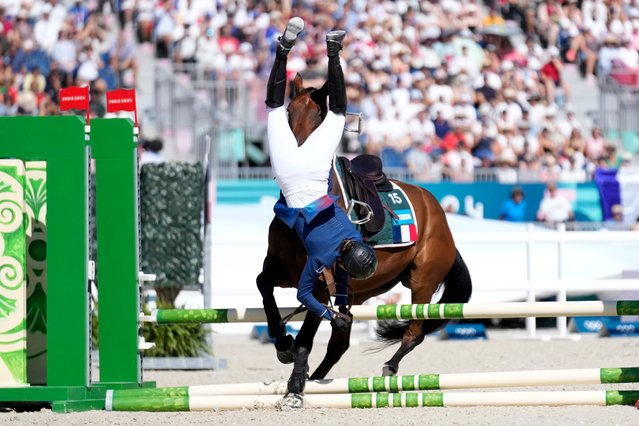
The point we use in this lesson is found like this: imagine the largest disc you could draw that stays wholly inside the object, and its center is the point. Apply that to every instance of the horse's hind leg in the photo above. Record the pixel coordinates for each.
(413, 337)
(276, 330)
(414, 334)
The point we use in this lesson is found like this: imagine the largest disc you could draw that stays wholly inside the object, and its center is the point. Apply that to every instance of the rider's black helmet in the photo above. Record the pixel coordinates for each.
(358, 259)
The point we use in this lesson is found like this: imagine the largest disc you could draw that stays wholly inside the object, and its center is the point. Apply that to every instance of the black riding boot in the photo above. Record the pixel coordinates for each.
(276, 87)
(336, 86)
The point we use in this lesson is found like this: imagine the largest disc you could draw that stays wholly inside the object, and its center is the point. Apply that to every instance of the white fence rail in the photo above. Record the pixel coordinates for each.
(560, 287)
(507, 262)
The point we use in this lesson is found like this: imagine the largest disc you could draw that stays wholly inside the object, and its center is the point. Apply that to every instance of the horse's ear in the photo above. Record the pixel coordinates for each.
(320, 95)
(298, 84)
(323, 91)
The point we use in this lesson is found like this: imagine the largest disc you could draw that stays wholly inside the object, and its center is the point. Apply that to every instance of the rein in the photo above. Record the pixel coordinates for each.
(330, 287)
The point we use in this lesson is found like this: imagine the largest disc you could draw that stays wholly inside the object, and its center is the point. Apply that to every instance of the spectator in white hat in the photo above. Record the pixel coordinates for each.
(609, 54)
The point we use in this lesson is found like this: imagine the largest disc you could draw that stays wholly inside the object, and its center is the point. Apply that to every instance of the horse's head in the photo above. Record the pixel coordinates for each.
(307, 109)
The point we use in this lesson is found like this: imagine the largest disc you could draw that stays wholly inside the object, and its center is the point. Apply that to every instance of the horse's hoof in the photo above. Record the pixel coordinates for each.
(286, 355)
(291, 401)
(388, 371)
(297, 382)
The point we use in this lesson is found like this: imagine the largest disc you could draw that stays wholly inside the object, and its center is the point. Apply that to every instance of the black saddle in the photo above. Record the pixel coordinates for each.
(363, 180)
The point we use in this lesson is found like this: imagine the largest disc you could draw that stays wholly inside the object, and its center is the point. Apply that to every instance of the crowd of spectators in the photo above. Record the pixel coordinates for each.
(445, 87)
(48, 45)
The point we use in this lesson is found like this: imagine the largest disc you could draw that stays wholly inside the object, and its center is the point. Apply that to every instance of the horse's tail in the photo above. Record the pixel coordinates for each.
(457, 289)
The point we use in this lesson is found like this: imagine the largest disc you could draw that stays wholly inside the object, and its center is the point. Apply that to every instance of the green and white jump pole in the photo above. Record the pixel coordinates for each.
(407, 312)
(422, 382)
(374, 400)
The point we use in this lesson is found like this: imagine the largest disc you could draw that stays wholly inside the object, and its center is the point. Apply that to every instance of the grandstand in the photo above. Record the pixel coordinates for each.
(461, 91)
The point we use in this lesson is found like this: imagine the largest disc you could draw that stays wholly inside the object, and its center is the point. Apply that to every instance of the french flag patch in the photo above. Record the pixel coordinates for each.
(404, 229)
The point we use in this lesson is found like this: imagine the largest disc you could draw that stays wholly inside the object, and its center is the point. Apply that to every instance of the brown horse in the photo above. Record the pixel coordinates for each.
(422, 267)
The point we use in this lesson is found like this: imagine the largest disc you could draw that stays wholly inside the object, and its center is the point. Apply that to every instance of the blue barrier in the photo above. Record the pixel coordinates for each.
(463, 332)
(590, 324)
(260, 332)
(620, 329)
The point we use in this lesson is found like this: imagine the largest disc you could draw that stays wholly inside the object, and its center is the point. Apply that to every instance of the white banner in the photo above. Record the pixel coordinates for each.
(628, 178)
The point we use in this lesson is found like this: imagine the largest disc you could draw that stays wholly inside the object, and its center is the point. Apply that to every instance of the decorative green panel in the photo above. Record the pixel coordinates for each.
(13, 288)
(35, 197)
(60, 141)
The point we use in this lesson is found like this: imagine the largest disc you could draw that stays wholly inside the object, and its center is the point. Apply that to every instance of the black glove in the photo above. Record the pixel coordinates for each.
(339, 324)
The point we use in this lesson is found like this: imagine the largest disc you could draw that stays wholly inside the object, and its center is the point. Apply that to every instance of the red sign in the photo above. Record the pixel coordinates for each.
(122, 100)
(74, 98)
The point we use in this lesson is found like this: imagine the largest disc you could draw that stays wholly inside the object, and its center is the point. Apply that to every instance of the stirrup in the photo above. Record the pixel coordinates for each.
(293, 29)
(357, 129)
(369, 212)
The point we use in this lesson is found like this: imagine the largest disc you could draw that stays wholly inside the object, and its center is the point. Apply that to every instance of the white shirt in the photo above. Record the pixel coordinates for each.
(45, 33)
(11, 7)
(466, 111)
(64, 52)
(58, 14)
(630, 57)
(566, 126)
(460, 161)
(421, 130)
(606, 57)
(447, 110)
(554, 209)
(439, 91)
(207, 51)
(401, 97)
(302, 172)
(537, 114)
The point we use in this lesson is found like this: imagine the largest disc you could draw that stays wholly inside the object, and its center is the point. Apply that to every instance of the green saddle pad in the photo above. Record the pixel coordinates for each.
(400, 227)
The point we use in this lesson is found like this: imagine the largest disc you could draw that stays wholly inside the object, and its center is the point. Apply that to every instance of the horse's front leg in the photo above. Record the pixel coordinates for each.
(276, 330)
(337, 345)
(303, 347)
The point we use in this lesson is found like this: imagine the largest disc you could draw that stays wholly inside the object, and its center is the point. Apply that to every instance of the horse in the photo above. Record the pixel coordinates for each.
(432, 261)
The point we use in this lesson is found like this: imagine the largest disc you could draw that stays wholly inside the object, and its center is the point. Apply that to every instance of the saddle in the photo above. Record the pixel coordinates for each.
(364, 179)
